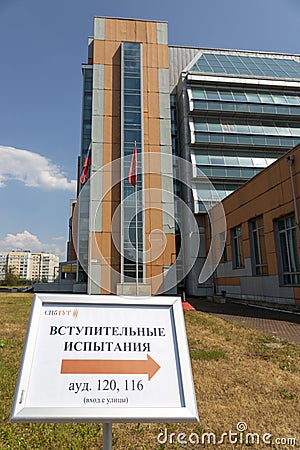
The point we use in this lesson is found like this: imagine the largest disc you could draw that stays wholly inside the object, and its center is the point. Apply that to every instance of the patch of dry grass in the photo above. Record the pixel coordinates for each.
(240, 375)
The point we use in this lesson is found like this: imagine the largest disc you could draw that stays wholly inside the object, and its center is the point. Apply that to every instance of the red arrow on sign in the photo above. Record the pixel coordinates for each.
(110, 366)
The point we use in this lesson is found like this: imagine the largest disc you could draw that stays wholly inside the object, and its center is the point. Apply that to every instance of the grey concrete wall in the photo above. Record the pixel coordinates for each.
(257, 288)
(179, 58)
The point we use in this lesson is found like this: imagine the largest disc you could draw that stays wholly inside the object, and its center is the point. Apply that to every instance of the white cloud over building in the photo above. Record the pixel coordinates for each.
(28, 241)
(32, 169)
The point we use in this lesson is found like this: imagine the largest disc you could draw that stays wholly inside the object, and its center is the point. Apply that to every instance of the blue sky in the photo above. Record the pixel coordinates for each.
(42, 46)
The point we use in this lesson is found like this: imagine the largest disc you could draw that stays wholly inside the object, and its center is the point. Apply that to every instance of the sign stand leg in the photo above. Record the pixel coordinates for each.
(107, 436)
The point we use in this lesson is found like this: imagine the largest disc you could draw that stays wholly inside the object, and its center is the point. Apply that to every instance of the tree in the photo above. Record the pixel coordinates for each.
(10, 278)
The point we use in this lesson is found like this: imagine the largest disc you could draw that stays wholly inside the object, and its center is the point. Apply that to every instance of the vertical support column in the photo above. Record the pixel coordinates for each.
(95, 206)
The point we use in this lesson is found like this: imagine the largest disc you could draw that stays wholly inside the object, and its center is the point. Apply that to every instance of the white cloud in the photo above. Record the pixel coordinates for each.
(28, 241)
(32, 169)
(59, 238)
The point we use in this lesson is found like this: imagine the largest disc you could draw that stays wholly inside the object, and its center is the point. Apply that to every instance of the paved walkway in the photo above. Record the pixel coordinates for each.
(275, 323)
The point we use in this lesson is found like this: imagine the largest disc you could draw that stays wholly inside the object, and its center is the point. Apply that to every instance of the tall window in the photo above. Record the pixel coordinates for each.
(82, 244)
(258, 247)
(237, 247)
(287, 250)
(131, 133)
(223, 245)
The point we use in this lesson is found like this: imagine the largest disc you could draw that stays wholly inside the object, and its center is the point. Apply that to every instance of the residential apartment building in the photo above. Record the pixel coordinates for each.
(3, 264)
(49, 266)
(227, 114)
(20, 264)
(30, 266)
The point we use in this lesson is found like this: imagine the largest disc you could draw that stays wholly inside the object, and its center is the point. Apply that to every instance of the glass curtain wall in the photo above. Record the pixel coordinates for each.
(132, 133)
(247, 65)
(245, 101)
(86, 134)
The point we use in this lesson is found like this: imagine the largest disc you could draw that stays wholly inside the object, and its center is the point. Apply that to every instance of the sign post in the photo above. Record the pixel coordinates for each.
(107, 436)
(105, 359)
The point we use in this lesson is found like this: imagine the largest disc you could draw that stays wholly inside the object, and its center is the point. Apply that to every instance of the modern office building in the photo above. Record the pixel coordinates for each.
(237, 112)
(228, 114)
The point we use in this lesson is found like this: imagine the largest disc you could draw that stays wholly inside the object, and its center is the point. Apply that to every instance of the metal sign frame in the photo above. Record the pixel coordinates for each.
(24, 408)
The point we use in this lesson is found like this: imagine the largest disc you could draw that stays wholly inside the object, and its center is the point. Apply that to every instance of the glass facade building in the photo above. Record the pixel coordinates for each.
(236, 113)
(229, 113)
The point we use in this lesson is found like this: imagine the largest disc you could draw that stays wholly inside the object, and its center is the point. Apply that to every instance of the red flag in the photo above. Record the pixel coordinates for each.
(132, 176)
(85, 170)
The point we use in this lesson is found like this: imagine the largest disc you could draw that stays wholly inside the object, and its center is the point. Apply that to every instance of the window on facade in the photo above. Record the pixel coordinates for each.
(132, 133)
(223, 246)
(287, 250)
(258, 247)
(237, 247)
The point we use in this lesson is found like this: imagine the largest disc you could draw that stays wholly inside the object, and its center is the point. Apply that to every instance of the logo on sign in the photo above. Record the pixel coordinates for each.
(62, 312)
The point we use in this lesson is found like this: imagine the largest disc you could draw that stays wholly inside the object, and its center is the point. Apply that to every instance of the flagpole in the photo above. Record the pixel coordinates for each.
(136, 241)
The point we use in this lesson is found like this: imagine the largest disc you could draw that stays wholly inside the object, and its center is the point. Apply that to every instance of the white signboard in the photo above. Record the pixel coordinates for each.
(105, 358)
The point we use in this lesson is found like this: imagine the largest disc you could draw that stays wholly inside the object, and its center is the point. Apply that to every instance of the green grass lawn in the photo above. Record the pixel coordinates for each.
(240, 375)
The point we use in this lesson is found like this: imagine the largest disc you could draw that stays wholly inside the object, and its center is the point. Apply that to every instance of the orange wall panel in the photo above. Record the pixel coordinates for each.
(99, 53)
(272, 264)
(108, 103)
(163, 56)
(111, 56)
(287, 195)
(141, 31)
(153, 149)
(150, 55)
(170, 250)
(117, 30)
(151, 81)
(151, 30)
(156, 271)
(101, 243)
(154, 131)
(153, 106)
(106, 216)
(108, 78)
(130, 30)
(107, 129)
(246, 246)
(228, 281)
